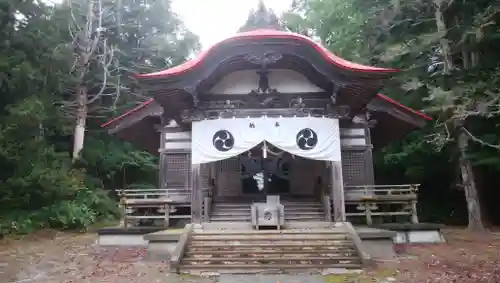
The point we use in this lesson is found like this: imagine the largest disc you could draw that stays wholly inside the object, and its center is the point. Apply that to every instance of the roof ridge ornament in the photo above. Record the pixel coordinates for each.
(262, 18)
(264, 60)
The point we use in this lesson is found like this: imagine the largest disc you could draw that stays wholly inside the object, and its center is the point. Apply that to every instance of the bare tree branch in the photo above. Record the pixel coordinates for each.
(480, 141)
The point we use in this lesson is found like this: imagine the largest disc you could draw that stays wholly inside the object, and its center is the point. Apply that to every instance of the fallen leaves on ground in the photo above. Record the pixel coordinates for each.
(465, 258)
(64, 257)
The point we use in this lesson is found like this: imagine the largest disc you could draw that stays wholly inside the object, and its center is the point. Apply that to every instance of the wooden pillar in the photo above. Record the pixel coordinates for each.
(338, 192)
(162, 171)
(196, 193)
(414, 216)
(166, 221)
(369, 172)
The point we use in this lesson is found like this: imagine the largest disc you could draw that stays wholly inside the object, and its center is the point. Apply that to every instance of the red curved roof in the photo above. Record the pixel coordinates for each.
(404, 107)
(263, 34)
(135, 109)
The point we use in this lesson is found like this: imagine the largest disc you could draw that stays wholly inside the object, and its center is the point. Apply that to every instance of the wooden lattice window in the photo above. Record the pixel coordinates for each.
(354, 167)
(178, 171)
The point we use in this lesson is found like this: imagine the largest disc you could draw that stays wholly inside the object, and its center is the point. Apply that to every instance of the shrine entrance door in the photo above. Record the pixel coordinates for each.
(265, 173)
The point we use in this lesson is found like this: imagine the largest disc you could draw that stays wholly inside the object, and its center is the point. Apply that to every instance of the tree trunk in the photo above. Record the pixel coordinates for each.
(81, 120)
(469, 182)
(461, 137)
(85, 39)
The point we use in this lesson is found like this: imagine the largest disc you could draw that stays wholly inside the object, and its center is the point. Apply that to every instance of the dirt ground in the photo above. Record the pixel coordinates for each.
(67, 257)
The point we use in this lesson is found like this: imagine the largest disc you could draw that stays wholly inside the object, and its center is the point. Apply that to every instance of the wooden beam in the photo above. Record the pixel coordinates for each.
(281, 96)
(379, 105)
(196, 193)
(151, 110)
(339, 112)
(338, 192)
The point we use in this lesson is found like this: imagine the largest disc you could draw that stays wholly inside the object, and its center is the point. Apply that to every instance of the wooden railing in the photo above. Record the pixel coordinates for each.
(144, 205)
(382, 201)
(142, 193)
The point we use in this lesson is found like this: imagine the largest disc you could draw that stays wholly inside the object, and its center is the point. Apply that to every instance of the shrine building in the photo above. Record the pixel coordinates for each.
(269, 128)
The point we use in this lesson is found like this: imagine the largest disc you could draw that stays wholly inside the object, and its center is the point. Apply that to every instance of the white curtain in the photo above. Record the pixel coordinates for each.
(310, 137)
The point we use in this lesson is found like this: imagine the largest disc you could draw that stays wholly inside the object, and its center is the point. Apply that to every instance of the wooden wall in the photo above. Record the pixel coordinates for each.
(175, 158)
(175, 163)
(228, 178)
(357, 164)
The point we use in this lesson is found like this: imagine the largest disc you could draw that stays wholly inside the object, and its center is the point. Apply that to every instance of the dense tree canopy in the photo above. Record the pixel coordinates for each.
(39, 184)
(450, 68)
(447, 51)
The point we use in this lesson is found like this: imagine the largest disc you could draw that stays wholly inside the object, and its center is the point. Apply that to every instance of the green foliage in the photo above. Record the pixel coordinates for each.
(405, 34)
(40, 186)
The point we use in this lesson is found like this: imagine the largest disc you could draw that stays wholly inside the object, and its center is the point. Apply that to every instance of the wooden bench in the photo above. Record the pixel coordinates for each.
(369, 200)
(144, 205)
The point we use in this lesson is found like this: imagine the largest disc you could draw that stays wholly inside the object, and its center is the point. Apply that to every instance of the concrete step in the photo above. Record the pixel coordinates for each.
(234, 213)
(338, 250)
(231, 218)
(260, 268)
(303, 218)
(294, 231)
(257, 245)
(268, 236)
(289, 207)
(305, 212)
(289, 204)
(247, 199)
(272, 260)
(248, 211)
(246, 208)
(241, 218)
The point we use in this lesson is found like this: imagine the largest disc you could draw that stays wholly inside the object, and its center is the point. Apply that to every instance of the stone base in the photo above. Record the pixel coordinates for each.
(158, 250)
(378, 243)
(422, 233)
(162, 243)
(124, 236)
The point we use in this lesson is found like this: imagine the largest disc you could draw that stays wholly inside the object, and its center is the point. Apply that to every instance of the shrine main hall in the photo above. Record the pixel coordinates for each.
(266, 130)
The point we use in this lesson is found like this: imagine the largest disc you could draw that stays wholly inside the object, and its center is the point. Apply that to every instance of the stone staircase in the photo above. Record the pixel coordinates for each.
(250, 251)
(239, 210)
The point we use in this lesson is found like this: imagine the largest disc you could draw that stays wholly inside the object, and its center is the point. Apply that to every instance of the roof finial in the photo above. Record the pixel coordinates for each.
(262, 18)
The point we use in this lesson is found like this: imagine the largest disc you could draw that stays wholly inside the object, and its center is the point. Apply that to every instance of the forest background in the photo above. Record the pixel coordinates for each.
(66, 68)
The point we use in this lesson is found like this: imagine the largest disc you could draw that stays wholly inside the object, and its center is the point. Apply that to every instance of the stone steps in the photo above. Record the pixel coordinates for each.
(248, 251)
(293, 214)
(305, 209)
(289, 210)
(269, 237)
(247, 218)
(275, 251)
(297, 204)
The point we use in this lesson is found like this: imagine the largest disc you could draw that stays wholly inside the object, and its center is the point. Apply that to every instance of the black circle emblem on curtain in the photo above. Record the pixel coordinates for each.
(307, 139)
(223, 140)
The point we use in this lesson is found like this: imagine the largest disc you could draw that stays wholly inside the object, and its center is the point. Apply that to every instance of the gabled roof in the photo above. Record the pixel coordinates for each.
(267, 34)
